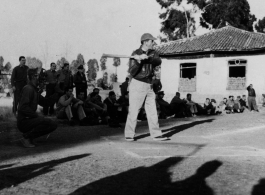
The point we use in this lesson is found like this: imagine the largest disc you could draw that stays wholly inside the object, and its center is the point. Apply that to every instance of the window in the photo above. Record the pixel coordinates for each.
(187, 80)
(188, 70)
(237, 74)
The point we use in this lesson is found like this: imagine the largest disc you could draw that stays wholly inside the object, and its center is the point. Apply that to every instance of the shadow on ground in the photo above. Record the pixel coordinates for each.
(68, 137)
(17, 175)
(155, 180)
(176, 129)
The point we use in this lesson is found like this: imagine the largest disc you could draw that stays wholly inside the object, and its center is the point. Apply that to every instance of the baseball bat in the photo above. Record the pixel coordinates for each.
(116, 56)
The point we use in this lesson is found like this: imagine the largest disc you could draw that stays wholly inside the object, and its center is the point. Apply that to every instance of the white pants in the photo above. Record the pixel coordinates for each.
(138, 91)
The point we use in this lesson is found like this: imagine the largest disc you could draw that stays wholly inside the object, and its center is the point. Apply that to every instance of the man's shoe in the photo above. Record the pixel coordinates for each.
(26, 143)
(161, 138)
(129, 139)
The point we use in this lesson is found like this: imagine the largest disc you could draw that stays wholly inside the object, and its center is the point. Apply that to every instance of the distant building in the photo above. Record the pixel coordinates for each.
(215, 65)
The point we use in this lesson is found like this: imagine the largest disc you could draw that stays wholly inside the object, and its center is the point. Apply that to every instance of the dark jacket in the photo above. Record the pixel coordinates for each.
(78, 80)
(157, 85)
(251, 92)
(19, 76)
(28, 103)
(145, 70)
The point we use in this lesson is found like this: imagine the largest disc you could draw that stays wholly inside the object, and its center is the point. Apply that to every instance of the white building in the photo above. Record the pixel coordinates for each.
(217, 64)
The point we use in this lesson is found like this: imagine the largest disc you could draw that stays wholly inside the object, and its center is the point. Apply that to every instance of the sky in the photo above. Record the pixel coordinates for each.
(56, 28)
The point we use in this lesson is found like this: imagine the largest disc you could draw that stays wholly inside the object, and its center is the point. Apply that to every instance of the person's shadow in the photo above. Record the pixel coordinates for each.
(259, 189)
(14, 176)
(176, 129)
(155, 180)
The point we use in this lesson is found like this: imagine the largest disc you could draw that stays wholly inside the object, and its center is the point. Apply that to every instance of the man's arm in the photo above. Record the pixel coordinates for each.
(25, 101)
(64, 102)
(13, 76)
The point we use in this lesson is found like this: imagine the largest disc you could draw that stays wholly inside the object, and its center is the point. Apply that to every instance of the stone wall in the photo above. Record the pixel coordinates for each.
(236, 83)
(187, 85)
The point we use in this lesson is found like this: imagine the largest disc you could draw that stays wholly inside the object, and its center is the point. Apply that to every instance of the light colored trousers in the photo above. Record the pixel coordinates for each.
(138, 91)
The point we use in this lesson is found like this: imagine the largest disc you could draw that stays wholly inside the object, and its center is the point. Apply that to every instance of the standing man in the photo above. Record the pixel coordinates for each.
(124, 87)
(140, 89)
(18, 81)
(51, 82)
(252, 98)
(65, 76)
(80, 82)
(28, 121)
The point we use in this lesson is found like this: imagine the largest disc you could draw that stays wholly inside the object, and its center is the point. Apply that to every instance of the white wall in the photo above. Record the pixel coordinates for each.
(212, 77)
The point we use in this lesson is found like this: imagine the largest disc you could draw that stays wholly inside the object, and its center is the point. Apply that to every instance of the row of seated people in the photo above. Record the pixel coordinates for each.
(92, 110)
(187, 107)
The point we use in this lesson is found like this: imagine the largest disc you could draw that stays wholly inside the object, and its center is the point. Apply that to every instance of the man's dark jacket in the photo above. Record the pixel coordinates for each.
(78, 80)
(29, 102)
(145, 70)
(251, 92)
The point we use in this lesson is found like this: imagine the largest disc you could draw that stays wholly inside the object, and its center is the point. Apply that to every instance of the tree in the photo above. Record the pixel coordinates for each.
(33, 62)
(1, 63)
(177, 24)
(8, 67)
(76, 63)
(260, 26)
(217, 13)
(103, 61)
(60, 63)
(113, 77)
(116, 62)
(105, 78)
(93, 68)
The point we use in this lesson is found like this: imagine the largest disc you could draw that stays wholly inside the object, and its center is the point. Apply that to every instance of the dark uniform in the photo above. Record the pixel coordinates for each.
(51, 79)
(80, 83)
(28, 121)
(18, 80)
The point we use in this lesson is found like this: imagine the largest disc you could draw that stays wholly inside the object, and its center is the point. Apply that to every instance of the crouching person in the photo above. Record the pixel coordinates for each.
(28, 121)
(68, 107)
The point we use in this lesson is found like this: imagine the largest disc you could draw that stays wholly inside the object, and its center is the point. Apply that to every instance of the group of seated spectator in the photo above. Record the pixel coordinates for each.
(92, 110)
(179, 108)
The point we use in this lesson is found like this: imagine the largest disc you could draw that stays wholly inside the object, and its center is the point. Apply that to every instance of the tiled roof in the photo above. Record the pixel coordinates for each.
(225, 39)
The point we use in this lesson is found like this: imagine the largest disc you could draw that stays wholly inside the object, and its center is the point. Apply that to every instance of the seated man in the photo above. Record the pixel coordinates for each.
(90, 111)
(28, 121)
(217, 109)
(243, 102)
(230, 105)
(178, 106)
(123, 109)
(94, 101)
(237, 106)
(222, 105)
(192, 105)
(68, 107)
(112, 108)
(208, 107)
(165, 109)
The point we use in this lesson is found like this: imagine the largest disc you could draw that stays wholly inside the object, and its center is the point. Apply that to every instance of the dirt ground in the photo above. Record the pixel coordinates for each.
(205, 156)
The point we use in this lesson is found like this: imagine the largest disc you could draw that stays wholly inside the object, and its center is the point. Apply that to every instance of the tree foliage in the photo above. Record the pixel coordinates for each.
(177, 23)
(103, 61)
(113, 78)
(93, 68)
(1, 63)
(60, 63)
(217, 13)
(76, 63)
(214, 14)
(260, 26)
(8, 67)
(33, 62)
(116, 61)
